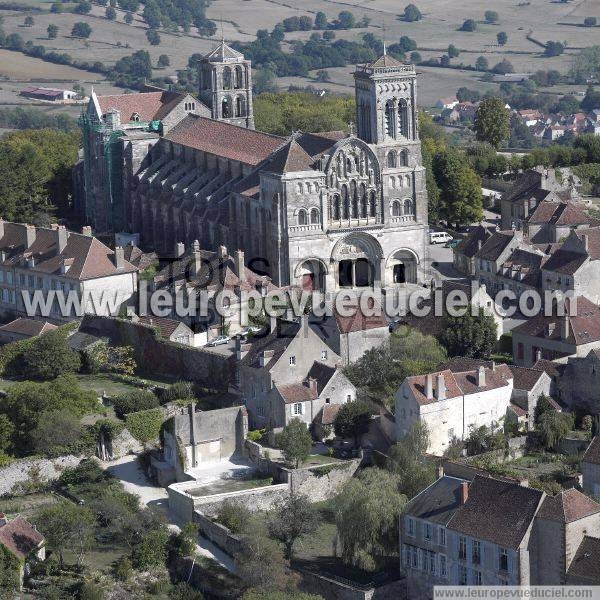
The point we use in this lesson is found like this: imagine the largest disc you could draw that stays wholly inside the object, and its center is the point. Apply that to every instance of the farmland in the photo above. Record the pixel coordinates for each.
(528, 25)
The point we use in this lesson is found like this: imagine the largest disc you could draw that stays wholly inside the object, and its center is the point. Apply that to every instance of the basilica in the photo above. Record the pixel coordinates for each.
(322, 211)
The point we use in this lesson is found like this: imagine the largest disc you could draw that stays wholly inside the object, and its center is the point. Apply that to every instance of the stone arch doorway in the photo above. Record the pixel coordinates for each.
(311, 275)
(357, 260)
(402, 267)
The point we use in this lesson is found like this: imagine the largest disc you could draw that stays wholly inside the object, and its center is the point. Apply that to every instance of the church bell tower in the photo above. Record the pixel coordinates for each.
(225, 86)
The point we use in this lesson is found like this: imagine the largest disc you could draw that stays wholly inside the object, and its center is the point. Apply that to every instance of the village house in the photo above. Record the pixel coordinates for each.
(22, 329)
(450, 403)
(552, 222)
(463, 254)
(556, 338)
(590, 468)
(289, 373)
(174, 331)
(447, 103)
(580, 381)
(49, 94)
(54, 260)
(22, 540)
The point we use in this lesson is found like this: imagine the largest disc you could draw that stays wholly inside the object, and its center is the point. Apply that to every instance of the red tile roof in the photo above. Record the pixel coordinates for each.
(20, 537)
(296, 392)
(568, 506)
(27, 327)
(592, 454)
(223, 139)
(165, 326)
(329, 413)
(292, 157)
(148, 105)
(359, 321)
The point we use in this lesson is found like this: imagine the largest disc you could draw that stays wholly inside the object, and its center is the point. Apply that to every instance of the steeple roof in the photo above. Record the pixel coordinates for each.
(385, 60)
(291, 157)
(224, 53)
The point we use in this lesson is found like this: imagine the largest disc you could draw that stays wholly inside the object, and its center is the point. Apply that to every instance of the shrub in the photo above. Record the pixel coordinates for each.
(180, 390)
(123, 569)
(81, 29)
(233, 515)
(590, 21)
(145, 425)
(152, 550)
(134, 401)
(255, 435)
(469, 25)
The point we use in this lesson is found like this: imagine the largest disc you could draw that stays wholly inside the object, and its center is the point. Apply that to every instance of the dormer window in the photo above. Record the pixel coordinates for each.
(135, 117)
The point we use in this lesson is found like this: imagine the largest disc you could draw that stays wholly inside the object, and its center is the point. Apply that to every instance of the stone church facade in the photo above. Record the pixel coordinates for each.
(322, 211)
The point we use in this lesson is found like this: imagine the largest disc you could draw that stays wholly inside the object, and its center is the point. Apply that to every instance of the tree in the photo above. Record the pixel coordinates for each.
(353, 420)
(105, 358)
(290, 520)
(56, 429)
(567, 105)
(542, 407)
(367, 510)
(153, 37)
(407, 460)
(81, 29)
(56, 8)
(502, 38)
(134, 401)
(111, 13)
(163, 61)
(468, 335)
(233, 515)
(128, 18)
(152, 550)
(590, 21)
(412, 13)
(9, 574)
(503, 67)
(322, 76)
(83, 8)
(295, 442)
(49, 356)
(453, 51)
(481, 64)
(491, 16)
(329, 35)
(320, 20)
(184, 543)
(553, 427)
(7, 430)
(28, 22)
(346, 20)
(415, 58)
(554, 48)
(492, 122)
(66, 526)
(469, 25)
(52, 31)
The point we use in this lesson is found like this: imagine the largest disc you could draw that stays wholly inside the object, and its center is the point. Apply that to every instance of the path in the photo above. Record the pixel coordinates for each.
(134, 480)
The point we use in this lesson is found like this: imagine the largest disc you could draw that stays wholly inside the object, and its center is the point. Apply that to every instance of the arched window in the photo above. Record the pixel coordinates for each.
(355, 205)
(316, 187)
(372, 204)
(407, 180)
(300, 187)
(392, 182)
(239, 78)
(345, 203)
(314, 215)
(404, 158)
(396, 208)
(308, 187)
(363, 201)
(403, 117)
(408, 207)
(349, 165)
(391, 160)
(390, 119)
(226, 108)
(336, 208)
(240, 106)
(226, 78)
(302, 217)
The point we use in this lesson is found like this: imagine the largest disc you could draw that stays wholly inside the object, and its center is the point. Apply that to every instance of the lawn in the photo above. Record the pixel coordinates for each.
(26, 505)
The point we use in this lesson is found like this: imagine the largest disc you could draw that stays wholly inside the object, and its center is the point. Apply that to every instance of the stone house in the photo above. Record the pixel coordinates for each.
(580, 381)
(22, 329)
(556, 338)
(463, 254)
(23, 541)
(282, 357)
(590, 468)
(451, 403)
(174, 331)
(194, 438)
(52, 261)
(351, 336)
(553, 221)
(493, 532)
(528, 386)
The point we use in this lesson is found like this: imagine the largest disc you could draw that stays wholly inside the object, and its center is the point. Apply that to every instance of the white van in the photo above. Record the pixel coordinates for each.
(439, 237)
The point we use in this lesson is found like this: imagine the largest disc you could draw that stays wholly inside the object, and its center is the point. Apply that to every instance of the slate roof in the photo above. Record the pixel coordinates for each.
(20, 537)
(524, 378)
(27, 327)
(438, 502)
(276, 341)
(586, 562)
(584, 327)
(495, 245)
(137, 257)
(497, 511)
(292, 157)
(529, 183)
(469, 246)
(565, 261)
(149, 106)
(86, 256)
(224, 139)
(568, 506)
(592, 454)
(560, 213)
(553, 369)
(223, 53)
(385, 61)
(322, 373)
(296, 392)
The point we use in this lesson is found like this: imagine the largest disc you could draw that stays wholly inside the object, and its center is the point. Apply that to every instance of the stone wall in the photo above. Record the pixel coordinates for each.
(256, 499)
(218, 534)
(45, 469)
(573, 445)
(322, 483)
(160, 357)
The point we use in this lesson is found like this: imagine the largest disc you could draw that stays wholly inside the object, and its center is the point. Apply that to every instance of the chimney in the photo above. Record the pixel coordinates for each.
(440, 470)
(1, 227)
(479, 244)
(585, 240)
(61, 237)
(564, 330)
(222, 252)
(29, 235)
(464, 492)
(538, 355)
(429, 387)
(481, 377)
(265, 357)
(87, 230)
(440, 390)
(311, 384)
(119, 258)
(241, 348)
(240, 270)
(179, 249)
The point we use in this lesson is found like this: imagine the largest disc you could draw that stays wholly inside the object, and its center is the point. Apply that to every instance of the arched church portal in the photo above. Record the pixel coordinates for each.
(357, 260)
(402, 267)
(311, 274)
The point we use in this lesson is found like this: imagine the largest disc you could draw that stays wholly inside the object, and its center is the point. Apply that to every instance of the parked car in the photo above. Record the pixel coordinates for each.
(218, 341)
(439, 237)
(452, 243)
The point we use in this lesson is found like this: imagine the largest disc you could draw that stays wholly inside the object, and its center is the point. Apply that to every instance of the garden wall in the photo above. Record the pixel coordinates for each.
(324, 482)
(22, 470)
(218, 534)
(573, 446)
(155, 356)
